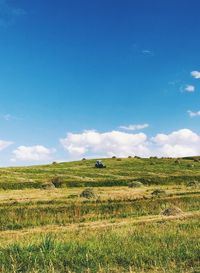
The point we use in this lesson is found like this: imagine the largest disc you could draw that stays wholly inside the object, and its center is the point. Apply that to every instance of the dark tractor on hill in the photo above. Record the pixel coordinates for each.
(99, 164)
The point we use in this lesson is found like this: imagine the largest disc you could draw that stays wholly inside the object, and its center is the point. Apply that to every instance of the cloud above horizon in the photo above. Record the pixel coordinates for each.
(193, 114)
(177, 144)
(104, 144)
(189, 88)
(195, 74)
(134, 127)
(91, 143)
(32, 153)
(5, 144)
(147, 52)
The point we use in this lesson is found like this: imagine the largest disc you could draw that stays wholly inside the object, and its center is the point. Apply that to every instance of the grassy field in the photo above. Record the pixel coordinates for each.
(120, 229)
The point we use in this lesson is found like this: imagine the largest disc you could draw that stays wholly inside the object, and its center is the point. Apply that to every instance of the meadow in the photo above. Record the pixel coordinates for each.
(46, 225)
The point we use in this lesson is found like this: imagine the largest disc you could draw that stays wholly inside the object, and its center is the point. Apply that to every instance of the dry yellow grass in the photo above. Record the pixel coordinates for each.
(35, 195)
(8, 237)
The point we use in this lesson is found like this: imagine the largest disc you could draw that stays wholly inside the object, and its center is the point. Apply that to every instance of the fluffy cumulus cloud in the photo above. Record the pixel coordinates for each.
(4, 144)
(105, 144)
(32, 153)
(195, 74)
(189, 88)
(95, 144)
(176, 144)
(134, 127)
(193, 114)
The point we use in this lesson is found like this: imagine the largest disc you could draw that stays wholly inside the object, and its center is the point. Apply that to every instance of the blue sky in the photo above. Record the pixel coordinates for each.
(77, 76)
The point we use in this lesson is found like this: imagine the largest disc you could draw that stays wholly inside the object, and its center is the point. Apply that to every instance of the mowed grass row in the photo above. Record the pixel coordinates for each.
(23, 215)
(119, 172)
(172, 247)
(62, 195)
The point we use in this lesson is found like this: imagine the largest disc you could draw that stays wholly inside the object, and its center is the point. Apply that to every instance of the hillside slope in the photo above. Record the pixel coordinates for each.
(118, 172)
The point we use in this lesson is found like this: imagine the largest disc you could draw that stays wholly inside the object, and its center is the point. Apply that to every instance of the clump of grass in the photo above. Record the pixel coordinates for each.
(72, 196)
(57, 181)
(196, 160)
(190, 165)
(172, 211)
(177, 161)
(48, 186)
(88, 193)
(158, 192)
(152, 163)
(193, 184)
(135, 184)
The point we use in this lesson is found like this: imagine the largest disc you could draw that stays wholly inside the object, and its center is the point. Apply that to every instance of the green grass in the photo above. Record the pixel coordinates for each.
(21, 215)
(120, 230)
(158, 247)
(117, 173)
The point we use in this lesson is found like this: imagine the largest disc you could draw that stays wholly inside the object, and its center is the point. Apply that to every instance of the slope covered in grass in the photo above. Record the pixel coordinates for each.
(119, 172)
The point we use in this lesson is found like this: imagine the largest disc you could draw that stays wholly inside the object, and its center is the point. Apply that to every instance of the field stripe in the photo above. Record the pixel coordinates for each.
(95, 225)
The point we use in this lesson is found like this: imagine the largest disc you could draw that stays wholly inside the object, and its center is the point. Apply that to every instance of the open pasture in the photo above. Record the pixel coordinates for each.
(121, 227)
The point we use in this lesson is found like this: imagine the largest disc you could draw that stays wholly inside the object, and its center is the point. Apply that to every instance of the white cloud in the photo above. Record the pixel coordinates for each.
(9, 117)
(4, 144)
(193, 114)
(182, 137)
(133, 127)
(195, 74)
(105, 144)
(190, 88)
(94, 144)
(176, 144)
(147, 52)
(32, 153)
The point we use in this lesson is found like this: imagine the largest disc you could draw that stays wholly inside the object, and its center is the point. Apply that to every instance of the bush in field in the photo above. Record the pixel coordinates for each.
(88, 193)
(57, 181)
(135, 184)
